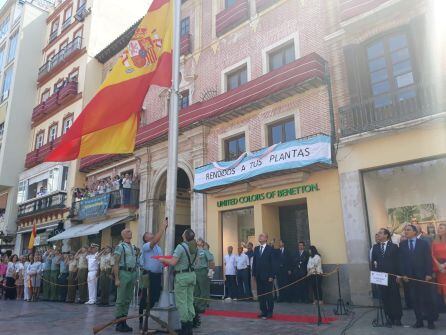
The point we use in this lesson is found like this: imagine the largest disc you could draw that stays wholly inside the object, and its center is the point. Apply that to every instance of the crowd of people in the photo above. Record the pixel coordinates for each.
(416, 265)
(296, 274)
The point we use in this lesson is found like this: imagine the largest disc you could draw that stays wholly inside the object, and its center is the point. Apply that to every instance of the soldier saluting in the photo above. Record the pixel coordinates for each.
(124, 270)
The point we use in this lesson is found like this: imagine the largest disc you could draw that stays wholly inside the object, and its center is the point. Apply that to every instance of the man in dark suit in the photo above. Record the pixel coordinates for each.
(282, 260)
(262, 270)
(416, 262)
(385, 258)
(299, 261)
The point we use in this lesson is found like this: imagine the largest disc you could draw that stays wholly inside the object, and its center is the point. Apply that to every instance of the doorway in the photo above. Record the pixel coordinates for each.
(294, 225)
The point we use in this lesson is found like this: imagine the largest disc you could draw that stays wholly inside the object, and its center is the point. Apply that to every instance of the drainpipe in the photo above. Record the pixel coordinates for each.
(327, 80)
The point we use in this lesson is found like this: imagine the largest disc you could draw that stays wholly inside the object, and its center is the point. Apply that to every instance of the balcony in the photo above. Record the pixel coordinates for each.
(53, 36)
(186, 44)
(60, 59)
(55, 102)
(67, 23)
(43, 204)
(296, 77)
(366, 116)
(352, 8)
(100, 204)
(264, 4)
(38, 156)
(232, 16)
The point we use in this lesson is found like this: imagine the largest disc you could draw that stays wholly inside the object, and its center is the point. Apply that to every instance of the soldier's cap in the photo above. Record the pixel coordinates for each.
(94, 245)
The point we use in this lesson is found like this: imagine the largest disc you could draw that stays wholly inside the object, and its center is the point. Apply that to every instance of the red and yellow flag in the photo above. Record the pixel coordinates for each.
(33, 237)
(109, 122)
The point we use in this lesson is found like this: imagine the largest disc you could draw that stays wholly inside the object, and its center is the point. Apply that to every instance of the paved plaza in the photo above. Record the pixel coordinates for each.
(17, 317)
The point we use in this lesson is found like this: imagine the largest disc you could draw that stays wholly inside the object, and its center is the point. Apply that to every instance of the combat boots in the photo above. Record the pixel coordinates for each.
(196, 322)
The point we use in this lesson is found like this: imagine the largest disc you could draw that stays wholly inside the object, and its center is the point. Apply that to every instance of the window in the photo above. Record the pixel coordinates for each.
(54, 29)
(59, 85)
(67, 15)
(50, 55)
(39, 139)
(184, 99)
(64, 178)
(73, 76)
(4, 27)
(236, 78)
(229, 3)
(234, 147)
(2, 56)
(81, 3)
(78, 33)
(17, 12)
(2, 129)
(282, 131)
(21, 195)
(12, 46)
(7, 83)
(52, 133)
(63, 45)
(390, 70)
(281, 56)
(45, 95)
(185, 26)
(67, 122)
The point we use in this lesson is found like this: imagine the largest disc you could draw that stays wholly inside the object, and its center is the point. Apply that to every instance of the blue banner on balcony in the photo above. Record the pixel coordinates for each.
(95, 206)
(279, 157)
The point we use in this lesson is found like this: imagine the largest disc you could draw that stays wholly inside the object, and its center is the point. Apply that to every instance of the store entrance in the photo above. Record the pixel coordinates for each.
(238, 228)
(294, 225)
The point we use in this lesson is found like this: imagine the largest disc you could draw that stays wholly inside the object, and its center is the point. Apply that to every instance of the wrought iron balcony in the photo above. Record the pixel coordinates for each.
(232, 16)
(401, 106)
(60, 58)
(42, 204)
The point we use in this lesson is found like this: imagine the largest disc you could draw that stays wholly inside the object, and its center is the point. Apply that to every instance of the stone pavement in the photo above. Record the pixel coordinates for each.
(17, 317)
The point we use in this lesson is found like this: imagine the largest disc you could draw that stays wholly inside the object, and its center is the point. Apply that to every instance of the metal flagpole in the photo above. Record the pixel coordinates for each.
(166, 308)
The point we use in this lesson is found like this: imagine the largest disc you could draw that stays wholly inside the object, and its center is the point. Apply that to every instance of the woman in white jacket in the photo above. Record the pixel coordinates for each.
(314, 268)
(26, 280)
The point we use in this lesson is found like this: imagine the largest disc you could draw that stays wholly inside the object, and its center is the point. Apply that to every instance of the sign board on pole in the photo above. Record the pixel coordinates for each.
(379, 278)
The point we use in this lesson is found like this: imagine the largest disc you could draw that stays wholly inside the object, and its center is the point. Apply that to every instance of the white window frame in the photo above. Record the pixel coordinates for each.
(224, 73)
(277, 45)
(64, 126)
(41, 136)
(52, 133)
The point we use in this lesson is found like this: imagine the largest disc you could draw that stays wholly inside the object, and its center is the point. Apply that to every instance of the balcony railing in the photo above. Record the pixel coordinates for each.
(42, 204)
(60, 57)
(413, 103)
(263, 4)
(38, 156)
(67, 23)
(186, 44)
(123, 198)
(53, 36)
(352, 8)
(232, 16)
(47, 108)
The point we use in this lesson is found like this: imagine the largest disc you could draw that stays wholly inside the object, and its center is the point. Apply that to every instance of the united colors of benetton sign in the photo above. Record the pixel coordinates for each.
(284, 156)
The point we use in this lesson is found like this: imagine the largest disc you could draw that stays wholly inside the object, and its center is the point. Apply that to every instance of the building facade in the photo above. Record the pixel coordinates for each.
(248, 85)
(67, 78)
(387, 73)
(22, 34)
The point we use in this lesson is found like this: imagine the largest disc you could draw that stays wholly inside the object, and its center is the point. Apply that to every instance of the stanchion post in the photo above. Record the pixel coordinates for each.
(380, 320)
(319, 315)
(340, 306)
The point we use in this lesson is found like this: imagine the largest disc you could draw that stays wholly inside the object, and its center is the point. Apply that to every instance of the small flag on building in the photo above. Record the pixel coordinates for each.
(109, 122)
(32, 238)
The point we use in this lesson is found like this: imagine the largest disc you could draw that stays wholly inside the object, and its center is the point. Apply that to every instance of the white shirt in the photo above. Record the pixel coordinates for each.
(242, 261)
(314, 265)
(230, 265)
(11, 269)
(127, 183)
(93, 264)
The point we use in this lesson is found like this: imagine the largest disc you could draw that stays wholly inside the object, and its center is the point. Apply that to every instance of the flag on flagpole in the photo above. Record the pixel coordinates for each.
(33, 237)
(109, 122)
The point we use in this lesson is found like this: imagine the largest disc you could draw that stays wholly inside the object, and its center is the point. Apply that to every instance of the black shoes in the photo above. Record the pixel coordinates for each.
(123, 327)
(418, 324)
(397, 323)
(430, 325)
(196, 322)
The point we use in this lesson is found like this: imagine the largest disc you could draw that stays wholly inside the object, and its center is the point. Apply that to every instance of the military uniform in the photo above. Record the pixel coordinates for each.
(185, 280)
(46, 276)
(127, 277)
(203, 285)
(105, 263)
(54, 275)
(82, 273)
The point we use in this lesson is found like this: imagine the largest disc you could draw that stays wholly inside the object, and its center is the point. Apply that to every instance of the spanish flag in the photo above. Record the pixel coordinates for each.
(32, 238)
(109, 122)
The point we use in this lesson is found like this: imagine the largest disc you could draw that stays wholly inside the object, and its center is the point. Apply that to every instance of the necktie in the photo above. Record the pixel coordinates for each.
(411, 245)
(261, 249)
(382, 249)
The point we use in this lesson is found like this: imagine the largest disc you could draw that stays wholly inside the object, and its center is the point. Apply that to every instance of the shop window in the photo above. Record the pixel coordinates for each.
(281, 56)
(229, 3)
(282, 131)
(67, 122)
(238, 228)
(12, 47)
(390, 69)
(39, 139)
(52, 133)
(234, 147)
(184, 99)
(185, 26)
(236, 77)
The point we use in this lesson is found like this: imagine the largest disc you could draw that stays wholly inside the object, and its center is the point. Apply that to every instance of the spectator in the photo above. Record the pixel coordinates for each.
(82, 272)
(250, 254)
(283, 272)
(11, 276)
(242, 263)
(126, 188)
(62, 280)
(314, 268)
(20, 276)
(3, 268)
(299, 262)
(92, 278)
(72, 273)
(35, 275)
(230, 274)
(439, 257)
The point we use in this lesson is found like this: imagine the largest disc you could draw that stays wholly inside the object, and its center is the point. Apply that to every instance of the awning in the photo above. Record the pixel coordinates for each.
(87, 229)
(40, 227)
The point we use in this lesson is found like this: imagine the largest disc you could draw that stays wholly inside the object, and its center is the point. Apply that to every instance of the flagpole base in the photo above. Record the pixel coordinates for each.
(167, 310)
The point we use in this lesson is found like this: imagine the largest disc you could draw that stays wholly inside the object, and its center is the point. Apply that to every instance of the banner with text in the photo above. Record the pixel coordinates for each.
(95, 206)
(284, 156)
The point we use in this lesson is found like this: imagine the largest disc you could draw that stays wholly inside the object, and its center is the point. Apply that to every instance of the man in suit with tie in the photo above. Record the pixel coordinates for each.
(385, 258)
(416, 262)
(283, 271)
(262, 271)
(298, 271)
